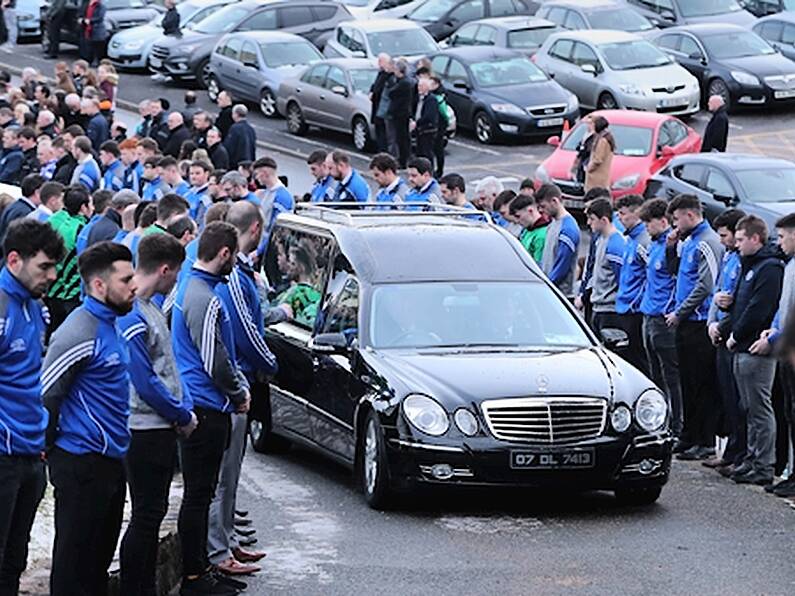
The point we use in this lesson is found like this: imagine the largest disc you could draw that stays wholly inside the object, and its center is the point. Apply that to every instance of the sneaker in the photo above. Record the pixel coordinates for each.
(784, 489)
(205, 585)
(757, 478)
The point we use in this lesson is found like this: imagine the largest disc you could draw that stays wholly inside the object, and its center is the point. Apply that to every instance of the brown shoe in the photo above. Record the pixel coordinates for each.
(234, 567)
(715, 462)
(247, 556)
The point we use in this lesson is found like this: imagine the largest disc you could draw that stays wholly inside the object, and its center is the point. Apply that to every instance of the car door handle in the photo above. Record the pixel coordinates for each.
(322, 97)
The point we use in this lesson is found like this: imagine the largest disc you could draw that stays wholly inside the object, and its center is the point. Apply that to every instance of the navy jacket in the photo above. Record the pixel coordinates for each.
(240, 143)
(11, 165)
(98, 130)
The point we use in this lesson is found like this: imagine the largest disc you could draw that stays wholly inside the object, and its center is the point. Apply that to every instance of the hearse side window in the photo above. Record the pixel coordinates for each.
(343, 316)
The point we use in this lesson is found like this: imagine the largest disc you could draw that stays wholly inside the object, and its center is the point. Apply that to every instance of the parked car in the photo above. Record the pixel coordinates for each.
(758, 185)
(499, 93)
(253, 65)
(732, 62)
(29, 19)
(188, 56)
(645, 143)
(381, 9)
(442, 17)
(130, 48)
(368, 38)
(667, 13)
(120, 15)
(613, 69)
(779, 31)
(524, 34)
(450, 371)
(332, 95)
(595, 14)
(761, 8)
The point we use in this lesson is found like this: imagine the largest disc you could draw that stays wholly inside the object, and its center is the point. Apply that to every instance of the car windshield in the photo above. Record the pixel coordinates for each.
(432, 10)
(738, 44)
(705, 8)
(529, 39)
(472, 314)
(115, 4)
(768, 185)
(631, 141)
(291, 53)
(356, 2)
(502, 73)
(363, 79)
(631, 55)
(221, 21)
(620, 19)
(402, 42)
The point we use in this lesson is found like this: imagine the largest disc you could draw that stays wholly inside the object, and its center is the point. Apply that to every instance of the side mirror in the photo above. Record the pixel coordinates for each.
(589, 68)
(329, 343)
(463, 85)
(250, 64)
(697, 56)
(358, 53)
(726, 200)
(667, 151)
(553, 141)
(615, 339)
(339, 90)
(667, 14)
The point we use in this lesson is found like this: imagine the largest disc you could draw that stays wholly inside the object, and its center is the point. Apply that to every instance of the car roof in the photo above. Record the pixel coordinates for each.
(479, 53)
(373, 25)
(706, 28)
(268, 36)
(349, 63)
(515, 22)
(633, 117)
(736, 161)
(587, 3)
(599, 36)
(787, 16)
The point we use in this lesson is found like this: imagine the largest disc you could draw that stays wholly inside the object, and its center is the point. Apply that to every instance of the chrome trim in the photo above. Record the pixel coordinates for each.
(310, 405)
(648, 440)
(411, 445)
(457, 472)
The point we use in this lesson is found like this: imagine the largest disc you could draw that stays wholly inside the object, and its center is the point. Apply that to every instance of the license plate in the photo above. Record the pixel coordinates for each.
(553, 460)
(667, 103)
(155, 62)
(784, 94)
(544, 122)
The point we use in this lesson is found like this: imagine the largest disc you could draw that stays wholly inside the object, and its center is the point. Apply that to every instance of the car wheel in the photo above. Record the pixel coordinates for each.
(718, 87)
(638, 496)
(484, 128)
(361, 134)
(607, 102)
(213, 88)
(267, 103)
(203, 73)
(262, 438)
(296, 124)
(374, 475)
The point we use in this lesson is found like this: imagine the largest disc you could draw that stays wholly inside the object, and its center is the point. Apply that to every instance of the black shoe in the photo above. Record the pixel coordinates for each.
(250, 541)
(242, 521)
(726, 471)
(204, 585)
(241, 512)
(696, 453)
(752, 477)
(245, 531)
(229, 582)
(784, 489)
(681, 446)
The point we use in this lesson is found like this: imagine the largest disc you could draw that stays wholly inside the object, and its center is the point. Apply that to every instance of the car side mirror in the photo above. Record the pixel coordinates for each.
(339, 90)
(666, 151)
(553, 141)
(589, 68)
(726, 199)
(250, 64)
(667, 15)
(615, 339)
(358, 54)
(329, 343)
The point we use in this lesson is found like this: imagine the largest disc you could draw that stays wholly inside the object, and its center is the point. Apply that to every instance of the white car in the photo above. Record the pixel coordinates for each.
(368, 38)
(380, 9)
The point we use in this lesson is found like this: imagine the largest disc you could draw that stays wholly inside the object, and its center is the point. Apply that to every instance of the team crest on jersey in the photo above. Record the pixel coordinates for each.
(113, 360)
(658, 265)
(18, 345)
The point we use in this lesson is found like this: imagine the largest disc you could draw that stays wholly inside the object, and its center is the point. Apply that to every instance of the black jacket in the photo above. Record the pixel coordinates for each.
(224, 121)
(377, 90)
(755, 298)
(428, 121)
(400, 99)
(64, 168)
(241, 143)
(717, 132)
(219, 156)
(105, 228)
(158, 130)
(175, 139)
(16, 210)
(170, 22)
(30, 163)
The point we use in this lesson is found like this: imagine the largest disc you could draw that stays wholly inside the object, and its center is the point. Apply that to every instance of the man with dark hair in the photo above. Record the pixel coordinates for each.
(169, 208)
(216, 149)
(350, 184)
(113, 168)
(85, 385)
(172, 175)
(109, 224)
(323, 187)
(23, 206)
(583, 298)
(534, 225)
(659, 295)
(563, 238)
(101, 200)
(51, 197)
(158, 412)
(154, 185)
(198, 196)
(241, 142)
(11, 157)
(424, 189)
(32, 251)
(696, 263)
(391, 187)
(183, 228)
(274, 198)
(609, 258)
(752, 310)
(207, 362)
(527, 187)
(733, 417)
(65, 164)
(86, 171)
(26, 139)
(454, 190)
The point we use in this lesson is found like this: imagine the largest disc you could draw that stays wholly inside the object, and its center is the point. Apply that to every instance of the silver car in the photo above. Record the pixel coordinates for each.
(608, 70)
(368, 38)
(332, 94)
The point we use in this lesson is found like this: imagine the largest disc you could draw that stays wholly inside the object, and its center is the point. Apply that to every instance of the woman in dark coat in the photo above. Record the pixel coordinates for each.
(94, 33)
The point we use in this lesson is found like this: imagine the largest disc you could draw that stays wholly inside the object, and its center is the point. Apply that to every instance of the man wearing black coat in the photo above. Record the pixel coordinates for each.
(426, 119)
(376, 93)
(224, 120)
(158, 129)
(399, 114)
(170, 21)
(30, 158)
(216, 150)
(717, 132)
(178, 133)
(241, 142)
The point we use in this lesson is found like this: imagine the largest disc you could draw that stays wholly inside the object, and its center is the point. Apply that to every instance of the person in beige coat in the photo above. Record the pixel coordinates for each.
(597, 172)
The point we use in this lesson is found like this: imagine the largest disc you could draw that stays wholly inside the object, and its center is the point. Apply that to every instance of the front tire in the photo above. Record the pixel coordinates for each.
(607, 102)
(638, 497)
(213, 88)
(203, 73)
(485, 128)
(361, 134)
(267, 104)
(374, 474)
(719, 87)
(262, 438)
(296, 125)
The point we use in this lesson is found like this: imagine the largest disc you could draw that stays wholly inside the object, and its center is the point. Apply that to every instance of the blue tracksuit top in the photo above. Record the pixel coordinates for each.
(394, 193)
(194, 197)
(85, 383)
(182, 189)
(323, 190)
(242, 301)
(700, 254)
(633, 271)
(23, 418)
(729, 275)
(353, 188)
(133, 177)
(82, 238)
(430, 193)
(659, 291)
(154, 190)
(113, 178)
(566, 254)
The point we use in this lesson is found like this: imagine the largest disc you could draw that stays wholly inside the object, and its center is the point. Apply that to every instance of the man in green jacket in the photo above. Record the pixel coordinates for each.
(534, 234)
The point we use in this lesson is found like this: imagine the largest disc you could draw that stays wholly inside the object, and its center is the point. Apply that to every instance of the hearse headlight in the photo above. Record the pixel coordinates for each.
(466, 422)
(426, 415)
(651, 410)
(621, 418)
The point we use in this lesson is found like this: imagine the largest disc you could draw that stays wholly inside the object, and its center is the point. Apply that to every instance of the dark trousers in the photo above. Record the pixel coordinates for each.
(92, 51)
(89, 503)
(150, 463)
(697, 375)
(632, 324)
(438, 152)
(381, 143)
(22, 483)
(425, 145)
(787, 377)
(397, 130)
(59, 310)
(201, 456)
(660, 343)
(54, 33)
(734, 416)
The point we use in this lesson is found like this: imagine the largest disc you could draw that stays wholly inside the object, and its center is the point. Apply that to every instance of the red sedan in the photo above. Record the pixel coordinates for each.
(645, 143)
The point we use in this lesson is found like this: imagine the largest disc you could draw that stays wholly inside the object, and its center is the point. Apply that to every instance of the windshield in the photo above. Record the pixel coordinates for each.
(432, 10)
(631, 55)
(768, 185)
(124, 4)
(294, 53)
(356, 2)
(501, 314)
(705, 8)
(619, 19)
(501, 73)
(631, 141)
(529, 39)
(736, 45)
(402, 42)
(363, 79)
(221, 21)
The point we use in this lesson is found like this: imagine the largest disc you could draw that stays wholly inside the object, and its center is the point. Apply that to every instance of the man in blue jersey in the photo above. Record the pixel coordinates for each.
(101, 200)
(274, 198)
(32, 251)
(173, 177)
(424, 188)
(133, 169)
(199, 173)
(86, 171)
(391, 187)
(351, 187)
(155, 188)
(112, 167)
(51, 197)
(608, 260)
(85, 385)
(563, 239)
(323, 187)
(214, 386)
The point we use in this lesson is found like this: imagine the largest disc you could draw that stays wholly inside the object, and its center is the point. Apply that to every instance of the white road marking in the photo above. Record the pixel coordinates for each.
(476, 148)
(320, 144)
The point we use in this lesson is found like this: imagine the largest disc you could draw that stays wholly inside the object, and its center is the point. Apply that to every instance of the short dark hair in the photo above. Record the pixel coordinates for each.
(421, 164)
(595, 193)
(686, 201)
(179, 226)
(153, 161)
(520, 202)
(98, 259)
(170, 205)
(111, 147)
(265, 162)
(166, 162)
(728, 219)
(74, 198)
(383, 162)
(83, 143)
(339, 157)
(27, 132)
(74, 130)
(217, 235)
(454, 181)
(145, 214)
(218, 174)
(31, 183)
(632, 201)
(547, 192)
(28, 236)
(527, 183)
(317, 156)
(200, 163)
(148, 144)
(787, 222)
(155, 250)
(504, 198)
(50, 190)
(102, 199)
(653, 209)
(753, 225)
(600, 208)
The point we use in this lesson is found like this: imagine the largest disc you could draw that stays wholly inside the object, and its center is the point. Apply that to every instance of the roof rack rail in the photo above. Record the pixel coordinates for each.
(348, 212)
